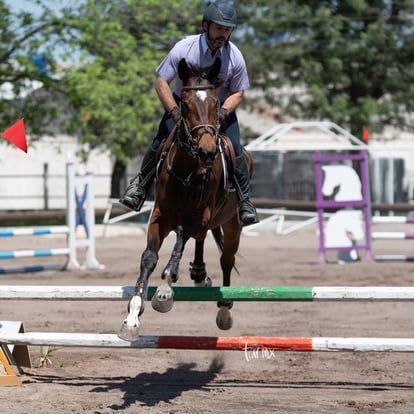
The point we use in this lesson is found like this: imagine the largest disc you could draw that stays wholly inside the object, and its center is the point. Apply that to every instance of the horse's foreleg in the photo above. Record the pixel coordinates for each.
(224, 319)
(130, 328)
(163, 299)
(198, 271)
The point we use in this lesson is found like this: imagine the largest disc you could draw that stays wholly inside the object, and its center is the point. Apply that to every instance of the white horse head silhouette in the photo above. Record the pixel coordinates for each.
(343, 227)
(343, 177)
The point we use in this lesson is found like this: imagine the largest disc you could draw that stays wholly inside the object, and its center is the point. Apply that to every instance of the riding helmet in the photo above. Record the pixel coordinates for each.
(221, 13)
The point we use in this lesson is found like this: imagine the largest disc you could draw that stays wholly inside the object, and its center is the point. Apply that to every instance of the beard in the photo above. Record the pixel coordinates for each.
(216, 42)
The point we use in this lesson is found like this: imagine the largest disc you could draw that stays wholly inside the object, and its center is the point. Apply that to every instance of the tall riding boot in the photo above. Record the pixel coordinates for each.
(247, 211)
(139, 186)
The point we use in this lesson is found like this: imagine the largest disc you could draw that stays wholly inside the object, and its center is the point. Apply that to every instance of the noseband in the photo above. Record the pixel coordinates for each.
(214, 130)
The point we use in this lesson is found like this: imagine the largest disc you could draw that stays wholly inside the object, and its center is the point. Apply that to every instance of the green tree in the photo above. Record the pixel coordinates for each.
(111, 91)
(350, 61)
(27, 60)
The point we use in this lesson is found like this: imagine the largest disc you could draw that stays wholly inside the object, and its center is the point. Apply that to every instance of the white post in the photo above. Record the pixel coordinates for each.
(377, 190)
(71, 216)
(390, 182)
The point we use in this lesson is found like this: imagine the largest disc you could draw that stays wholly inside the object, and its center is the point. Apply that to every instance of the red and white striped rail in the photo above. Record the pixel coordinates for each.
(249, 344)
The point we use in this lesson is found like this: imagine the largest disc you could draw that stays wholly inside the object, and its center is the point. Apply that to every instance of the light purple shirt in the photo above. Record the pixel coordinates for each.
(196, 52)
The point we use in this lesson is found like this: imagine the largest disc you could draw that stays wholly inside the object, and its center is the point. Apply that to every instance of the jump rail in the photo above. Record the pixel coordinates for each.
(393, 235)
(250, 344)
(394, 258)
(392, 219)
(213, 294)
(34, 232)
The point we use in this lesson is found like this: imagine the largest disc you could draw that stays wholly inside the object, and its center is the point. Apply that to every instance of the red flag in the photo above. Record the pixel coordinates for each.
(365, 134)
(16, 135)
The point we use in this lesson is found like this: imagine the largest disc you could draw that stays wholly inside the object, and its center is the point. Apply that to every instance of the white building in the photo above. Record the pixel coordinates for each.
(36, 180)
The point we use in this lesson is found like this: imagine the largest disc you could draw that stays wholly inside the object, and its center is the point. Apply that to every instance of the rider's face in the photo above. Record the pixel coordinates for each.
(217, 35)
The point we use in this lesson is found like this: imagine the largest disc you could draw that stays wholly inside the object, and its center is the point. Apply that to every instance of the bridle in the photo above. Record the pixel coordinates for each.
(214, 130)
(191, 144)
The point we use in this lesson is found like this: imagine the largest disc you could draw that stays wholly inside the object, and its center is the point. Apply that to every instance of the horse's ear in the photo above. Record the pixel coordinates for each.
(183, 71)
(214, 70)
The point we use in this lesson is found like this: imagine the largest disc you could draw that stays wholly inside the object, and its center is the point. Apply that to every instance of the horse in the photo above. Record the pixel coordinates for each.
(193, 194)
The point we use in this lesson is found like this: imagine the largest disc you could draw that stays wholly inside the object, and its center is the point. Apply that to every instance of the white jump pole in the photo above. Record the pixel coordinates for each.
(249, 344)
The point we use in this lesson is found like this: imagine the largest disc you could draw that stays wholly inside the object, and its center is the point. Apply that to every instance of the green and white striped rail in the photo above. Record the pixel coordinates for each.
(213, 294)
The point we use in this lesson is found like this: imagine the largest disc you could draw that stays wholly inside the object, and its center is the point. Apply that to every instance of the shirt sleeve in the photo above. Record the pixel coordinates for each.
(240, 79)
(168, 68)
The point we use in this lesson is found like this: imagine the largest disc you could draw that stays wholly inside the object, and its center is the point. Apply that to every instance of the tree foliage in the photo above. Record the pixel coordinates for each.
(348, 61)
(112, 90)
(27, 59)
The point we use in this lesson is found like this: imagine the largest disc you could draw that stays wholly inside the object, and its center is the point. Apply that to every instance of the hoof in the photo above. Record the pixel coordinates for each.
(130, 327)
(207, 282)
(163, 299)
(224, 319)
(128, 333)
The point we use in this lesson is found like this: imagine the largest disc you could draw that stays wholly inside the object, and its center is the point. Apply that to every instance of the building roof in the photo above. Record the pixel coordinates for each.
(306, 136)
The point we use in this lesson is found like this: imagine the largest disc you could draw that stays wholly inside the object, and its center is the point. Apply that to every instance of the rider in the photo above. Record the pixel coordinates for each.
(219, 20)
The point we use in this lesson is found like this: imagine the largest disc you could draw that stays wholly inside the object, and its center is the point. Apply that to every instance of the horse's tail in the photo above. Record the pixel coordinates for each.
(218, 238)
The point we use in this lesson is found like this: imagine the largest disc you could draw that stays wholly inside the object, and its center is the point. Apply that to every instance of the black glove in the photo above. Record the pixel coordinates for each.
(175, 114)
(223, 117)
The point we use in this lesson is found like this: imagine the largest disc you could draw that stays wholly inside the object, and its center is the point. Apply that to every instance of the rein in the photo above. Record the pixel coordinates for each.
(184, 181)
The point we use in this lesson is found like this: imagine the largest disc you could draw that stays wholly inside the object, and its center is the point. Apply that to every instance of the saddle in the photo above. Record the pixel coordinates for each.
(229, 153)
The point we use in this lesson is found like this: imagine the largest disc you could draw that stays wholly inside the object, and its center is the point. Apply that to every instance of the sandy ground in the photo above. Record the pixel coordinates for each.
(85, 380)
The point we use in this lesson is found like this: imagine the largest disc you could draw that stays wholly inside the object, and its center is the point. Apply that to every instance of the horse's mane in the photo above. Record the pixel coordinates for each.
(204, 73)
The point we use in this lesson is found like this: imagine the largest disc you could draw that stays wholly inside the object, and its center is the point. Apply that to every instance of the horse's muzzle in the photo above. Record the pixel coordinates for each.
(207, 157)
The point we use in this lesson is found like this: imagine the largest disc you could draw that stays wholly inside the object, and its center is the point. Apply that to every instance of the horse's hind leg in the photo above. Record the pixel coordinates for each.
(163, 299)
(198, 271)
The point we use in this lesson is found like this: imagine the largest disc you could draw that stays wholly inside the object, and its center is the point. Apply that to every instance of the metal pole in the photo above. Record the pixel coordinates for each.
(45, 186)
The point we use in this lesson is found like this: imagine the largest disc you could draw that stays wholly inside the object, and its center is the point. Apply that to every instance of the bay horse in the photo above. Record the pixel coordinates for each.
(193, 195)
